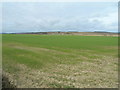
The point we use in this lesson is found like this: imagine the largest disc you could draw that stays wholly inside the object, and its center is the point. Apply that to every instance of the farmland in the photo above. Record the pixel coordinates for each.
(60, 61)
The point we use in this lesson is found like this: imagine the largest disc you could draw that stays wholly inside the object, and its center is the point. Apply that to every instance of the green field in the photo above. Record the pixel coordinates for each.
(60, 61)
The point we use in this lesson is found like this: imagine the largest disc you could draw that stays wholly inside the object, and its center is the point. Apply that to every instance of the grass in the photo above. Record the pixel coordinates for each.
(60, 60)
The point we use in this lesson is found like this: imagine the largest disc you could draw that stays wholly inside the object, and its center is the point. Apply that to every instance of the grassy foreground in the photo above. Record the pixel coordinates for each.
(65, 61)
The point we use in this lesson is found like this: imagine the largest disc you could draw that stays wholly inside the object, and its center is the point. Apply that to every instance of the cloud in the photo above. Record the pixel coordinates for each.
(68, 24)
(108, 19)
(59, 17)
(108, 22)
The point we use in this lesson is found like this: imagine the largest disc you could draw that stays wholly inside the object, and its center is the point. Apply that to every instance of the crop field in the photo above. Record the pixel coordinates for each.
(60, 61)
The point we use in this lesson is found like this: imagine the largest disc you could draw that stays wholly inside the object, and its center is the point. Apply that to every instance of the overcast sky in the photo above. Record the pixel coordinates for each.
(60, 16)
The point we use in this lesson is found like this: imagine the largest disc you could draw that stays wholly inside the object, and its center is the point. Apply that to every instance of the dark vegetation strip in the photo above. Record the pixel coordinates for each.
(6, 83)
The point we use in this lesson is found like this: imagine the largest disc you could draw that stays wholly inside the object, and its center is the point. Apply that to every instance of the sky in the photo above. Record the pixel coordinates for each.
(59, 16)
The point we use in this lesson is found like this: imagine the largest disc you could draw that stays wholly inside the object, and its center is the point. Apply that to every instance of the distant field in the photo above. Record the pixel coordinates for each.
(66, 61)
